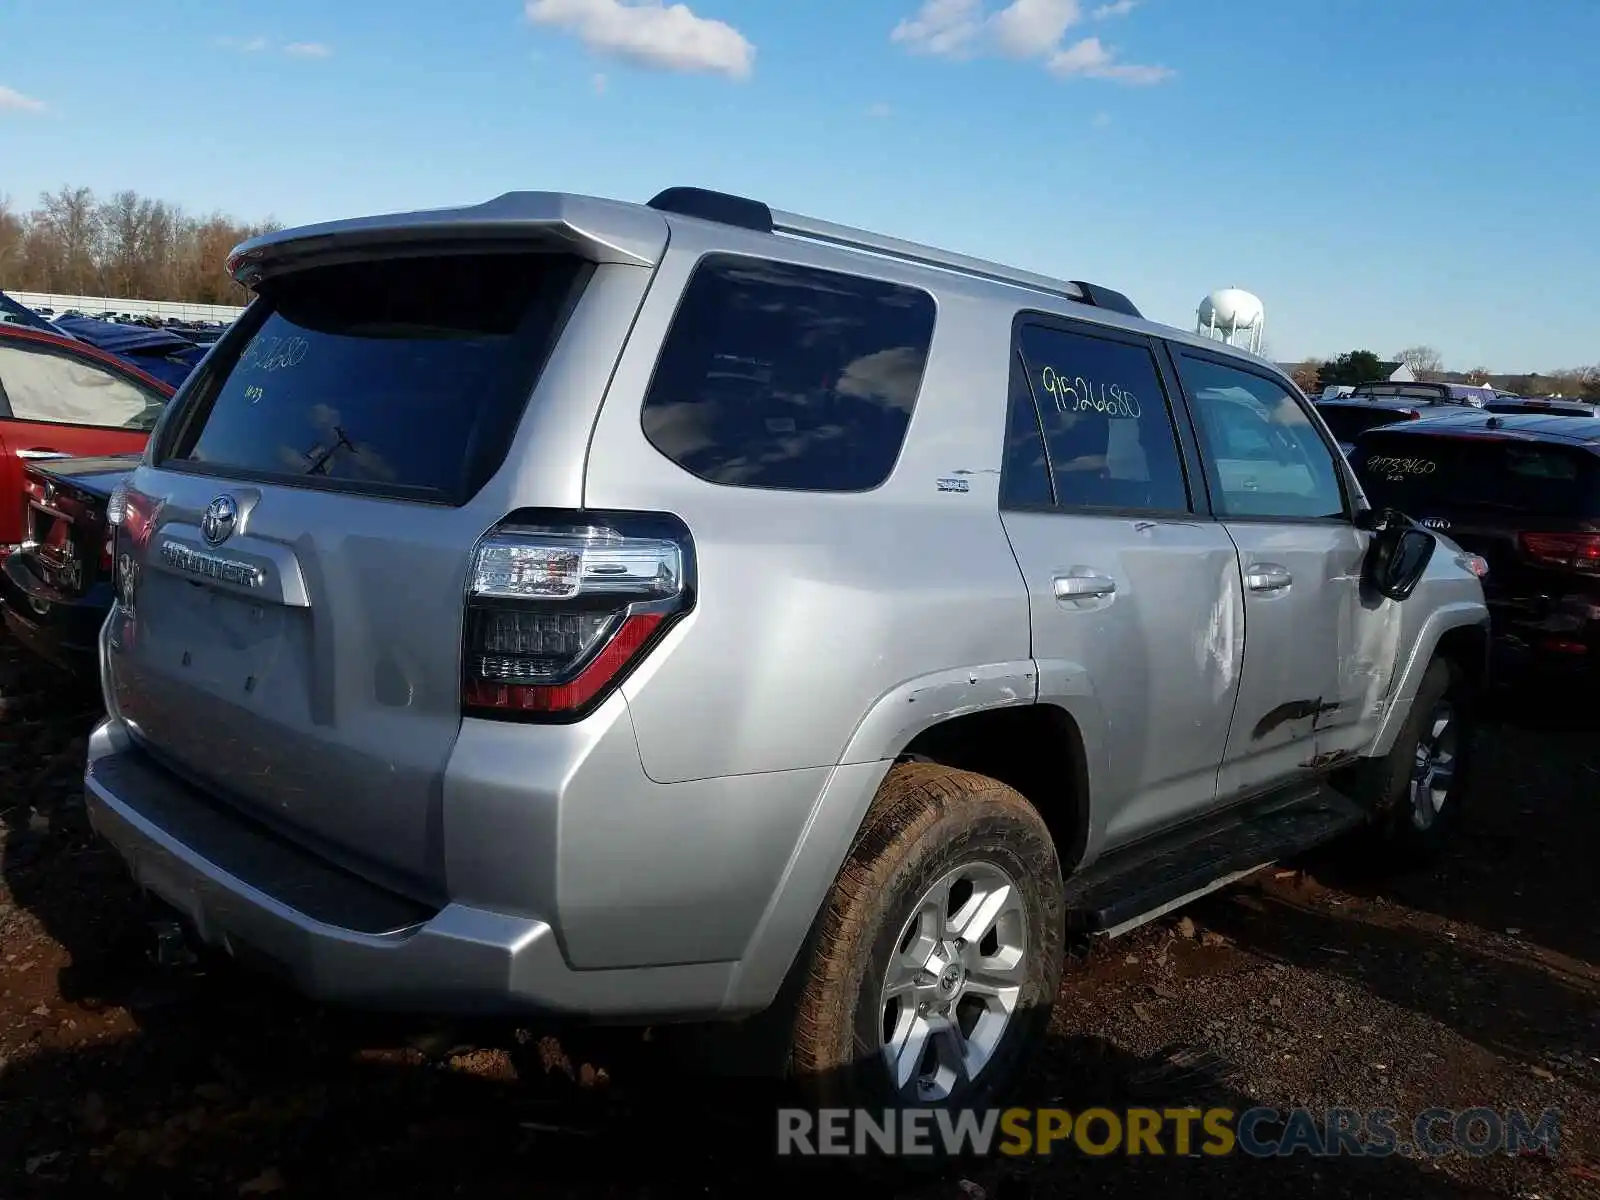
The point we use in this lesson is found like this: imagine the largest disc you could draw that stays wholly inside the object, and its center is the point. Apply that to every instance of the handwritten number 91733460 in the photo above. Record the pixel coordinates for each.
(1075, 394)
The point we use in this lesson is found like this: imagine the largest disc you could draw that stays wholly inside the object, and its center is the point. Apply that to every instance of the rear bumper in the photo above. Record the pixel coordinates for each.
(57, 627)
(339, 938)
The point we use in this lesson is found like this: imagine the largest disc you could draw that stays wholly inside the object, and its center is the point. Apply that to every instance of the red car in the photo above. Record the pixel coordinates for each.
(62, 398)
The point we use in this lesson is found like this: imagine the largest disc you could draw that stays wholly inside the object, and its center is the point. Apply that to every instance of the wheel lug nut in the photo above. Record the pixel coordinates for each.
(961, 943)
(922, 1009)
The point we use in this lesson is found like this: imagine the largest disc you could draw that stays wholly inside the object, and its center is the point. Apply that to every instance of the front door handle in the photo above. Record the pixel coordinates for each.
(1267, 577)
(1088, 586)
(41, 454)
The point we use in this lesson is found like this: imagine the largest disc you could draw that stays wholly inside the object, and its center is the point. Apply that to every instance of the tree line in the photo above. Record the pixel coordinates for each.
(1364, 366)
(125, 245)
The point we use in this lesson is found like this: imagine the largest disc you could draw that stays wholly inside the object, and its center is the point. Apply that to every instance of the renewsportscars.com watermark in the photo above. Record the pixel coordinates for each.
(1215, 1132)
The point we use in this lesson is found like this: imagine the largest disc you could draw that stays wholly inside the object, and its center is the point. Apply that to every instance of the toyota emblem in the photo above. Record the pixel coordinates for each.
(217, 524)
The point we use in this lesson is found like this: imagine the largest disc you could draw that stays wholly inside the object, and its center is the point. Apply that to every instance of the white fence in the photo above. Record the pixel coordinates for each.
(93, 305)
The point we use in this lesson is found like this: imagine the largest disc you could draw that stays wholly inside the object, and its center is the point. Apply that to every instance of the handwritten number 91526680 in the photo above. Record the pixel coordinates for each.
(1075, 394)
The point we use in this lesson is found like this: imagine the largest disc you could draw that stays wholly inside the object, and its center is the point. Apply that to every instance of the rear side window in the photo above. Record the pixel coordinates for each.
(398, 376)
(1108, 433)
(1418, 473)
(788, 377)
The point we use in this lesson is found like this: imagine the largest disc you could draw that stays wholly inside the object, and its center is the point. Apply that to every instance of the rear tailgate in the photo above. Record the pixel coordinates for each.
(1484, 491)
(290, 632)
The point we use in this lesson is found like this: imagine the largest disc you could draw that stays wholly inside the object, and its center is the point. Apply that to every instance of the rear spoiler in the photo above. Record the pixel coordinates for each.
(602, 231)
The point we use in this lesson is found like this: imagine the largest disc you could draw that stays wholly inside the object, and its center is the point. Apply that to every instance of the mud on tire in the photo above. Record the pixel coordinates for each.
(878, 957)
(1404, 831)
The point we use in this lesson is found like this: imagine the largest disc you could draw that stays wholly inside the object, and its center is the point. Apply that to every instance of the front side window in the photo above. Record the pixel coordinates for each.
(42, 385)
(1107, 428)
(1266, 455)
(788, 377)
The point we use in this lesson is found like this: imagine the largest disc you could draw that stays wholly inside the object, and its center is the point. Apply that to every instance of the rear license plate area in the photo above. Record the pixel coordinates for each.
(210, 638)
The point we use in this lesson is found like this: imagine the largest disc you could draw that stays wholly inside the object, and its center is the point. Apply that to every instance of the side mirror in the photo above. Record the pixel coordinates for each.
(1397, 556)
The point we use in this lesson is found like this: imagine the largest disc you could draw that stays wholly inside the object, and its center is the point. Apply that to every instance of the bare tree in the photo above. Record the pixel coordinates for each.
(127, 245)
(1424, 361)
(1306, 376)
(1478, 376)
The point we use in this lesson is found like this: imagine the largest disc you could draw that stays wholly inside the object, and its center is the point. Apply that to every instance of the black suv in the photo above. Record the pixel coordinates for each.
(1372, 405)
(1522, 491)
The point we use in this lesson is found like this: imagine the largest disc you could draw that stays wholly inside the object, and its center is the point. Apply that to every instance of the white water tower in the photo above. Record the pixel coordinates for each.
(1234, 316)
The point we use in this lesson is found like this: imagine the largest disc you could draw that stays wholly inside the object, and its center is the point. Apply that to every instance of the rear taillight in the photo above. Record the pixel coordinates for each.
(559, 612)
(1572, 551)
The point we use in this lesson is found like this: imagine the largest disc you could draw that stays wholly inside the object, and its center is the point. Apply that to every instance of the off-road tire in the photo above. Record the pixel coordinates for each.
(925, 821)
(1396, 839)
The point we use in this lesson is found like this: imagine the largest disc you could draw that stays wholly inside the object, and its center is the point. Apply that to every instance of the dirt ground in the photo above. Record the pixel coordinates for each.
(1476, 983)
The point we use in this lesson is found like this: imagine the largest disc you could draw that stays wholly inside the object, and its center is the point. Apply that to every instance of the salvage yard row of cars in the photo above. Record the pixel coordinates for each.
(696, 612)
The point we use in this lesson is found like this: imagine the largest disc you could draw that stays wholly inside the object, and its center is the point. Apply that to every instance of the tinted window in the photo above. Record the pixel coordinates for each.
(1107, 428)
(1348, 422)
(1404, 391)
(42, 385)
(779, 376)
(1267, 457)
(1414, 474)
(1025, 471)
(400, 376)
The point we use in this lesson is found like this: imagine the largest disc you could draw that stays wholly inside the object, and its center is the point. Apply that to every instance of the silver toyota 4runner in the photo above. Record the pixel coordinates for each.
(687, 611)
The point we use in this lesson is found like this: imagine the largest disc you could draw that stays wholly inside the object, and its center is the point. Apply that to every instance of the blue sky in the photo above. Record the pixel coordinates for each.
(1380, 172)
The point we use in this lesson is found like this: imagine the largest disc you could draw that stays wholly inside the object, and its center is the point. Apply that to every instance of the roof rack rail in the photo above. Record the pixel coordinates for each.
(745, 213)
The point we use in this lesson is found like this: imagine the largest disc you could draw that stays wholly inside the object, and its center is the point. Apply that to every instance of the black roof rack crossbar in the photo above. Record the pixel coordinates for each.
(744, 213)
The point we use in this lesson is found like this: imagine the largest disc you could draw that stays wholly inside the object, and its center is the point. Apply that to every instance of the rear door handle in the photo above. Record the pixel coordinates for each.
(1088, 586)
(1267, 577)
(38, 454)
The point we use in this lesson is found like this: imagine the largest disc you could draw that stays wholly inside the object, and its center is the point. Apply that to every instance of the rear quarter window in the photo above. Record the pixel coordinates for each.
(402, 377)
(788, 377)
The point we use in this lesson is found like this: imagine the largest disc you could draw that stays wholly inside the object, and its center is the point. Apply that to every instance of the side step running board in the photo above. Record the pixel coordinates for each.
(1143, 881)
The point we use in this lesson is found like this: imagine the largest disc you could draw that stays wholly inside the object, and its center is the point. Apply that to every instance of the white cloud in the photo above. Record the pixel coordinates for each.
(245, 45)
(12, 100)
(1022, 29)
(598, 83)
(1101, 120)
(1091, 60)
(1028, 28)
(651, 34)
(880, 111)
(943, 27)
(308, 50)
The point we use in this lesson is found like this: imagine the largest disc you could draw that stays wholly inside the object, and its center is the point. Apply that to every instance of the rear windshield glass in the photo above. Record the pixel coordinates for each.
(1404, 391)
(779, 376)
(395, 376)
(1407, 472)
(1347, 422)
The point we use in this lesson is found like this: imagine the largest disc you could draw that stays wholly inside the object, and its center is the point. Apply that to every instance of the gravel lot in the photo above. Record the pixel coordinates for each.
(1476, 983)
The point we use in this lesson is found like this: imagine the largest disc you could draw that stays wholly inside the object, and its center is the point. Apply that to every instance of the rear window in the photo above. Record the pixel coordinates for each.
(398, 376)
(788, 377)
(1347, 422)
(1402, 391)
(1408, 472)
